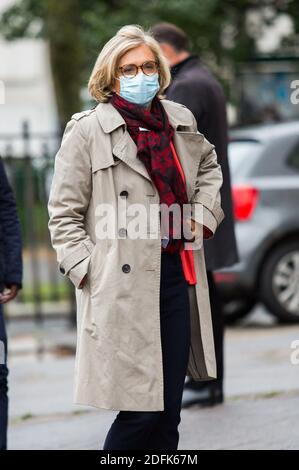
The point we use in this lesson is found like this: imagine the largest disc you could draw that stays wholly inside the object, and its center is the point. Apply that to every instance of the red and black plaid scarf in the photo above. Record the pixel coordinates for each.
(153, 149)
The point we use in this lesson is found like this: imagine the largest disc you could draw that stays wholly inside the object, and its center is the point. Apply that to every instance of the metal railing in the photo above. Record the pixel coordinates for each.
(29, 161)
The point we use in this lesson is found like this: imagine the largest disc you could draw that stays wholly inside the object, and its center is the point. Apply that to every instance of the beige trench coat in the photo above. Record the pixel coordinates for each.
(118, 362)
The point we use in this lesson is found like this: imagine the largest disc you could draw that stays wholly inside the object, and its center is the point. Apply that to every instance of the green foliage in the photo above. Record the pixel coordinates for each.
(46, 292)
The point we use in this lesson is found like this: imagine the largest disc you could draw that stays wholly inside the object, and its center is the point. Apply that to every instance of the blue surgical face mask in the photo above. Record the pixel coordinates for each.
(140, 89)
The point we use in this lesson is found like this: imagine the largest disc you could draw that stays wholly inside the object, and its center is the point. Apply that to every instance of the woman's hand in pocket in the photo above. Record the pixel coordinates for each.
(199, 230)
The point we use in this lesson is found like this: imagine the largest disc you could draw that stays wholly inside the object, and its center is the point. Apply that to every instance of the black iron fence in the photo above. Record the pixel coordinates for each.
(29, 162)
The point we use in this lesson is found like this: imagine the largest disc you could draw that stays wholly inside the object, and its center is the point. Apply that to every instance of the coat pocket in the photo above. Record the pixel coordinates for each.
(96, 265)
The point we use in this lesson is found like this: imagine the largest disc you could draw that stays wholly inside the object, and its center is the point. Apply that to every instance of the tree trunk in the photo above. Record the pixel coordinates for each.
(62, 24)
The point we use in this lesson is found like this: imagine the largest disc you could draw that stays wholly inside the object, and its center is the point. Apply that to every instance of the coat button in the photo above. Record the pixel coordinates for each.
(122, 232)
(62, 270)
(124, 193)
(126, 268)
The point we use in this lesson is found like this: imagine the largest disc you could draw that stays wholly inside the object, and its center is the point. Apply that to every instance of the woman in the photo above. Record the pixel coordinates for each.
(143, 313)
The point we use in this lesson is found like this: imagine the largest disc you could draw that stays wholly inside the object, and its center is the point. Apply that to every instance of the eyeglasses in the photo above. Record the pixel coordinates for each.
(148, 68)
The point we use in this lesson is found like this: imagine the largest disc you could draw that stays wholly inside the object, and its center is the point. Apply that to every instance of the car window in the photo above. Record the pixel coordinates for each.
(241, 155)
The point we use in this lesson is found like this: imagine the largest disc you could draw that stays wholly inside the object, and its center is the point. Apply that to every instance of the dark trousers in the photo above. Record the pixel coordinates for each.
(3, 383)
(143, 430)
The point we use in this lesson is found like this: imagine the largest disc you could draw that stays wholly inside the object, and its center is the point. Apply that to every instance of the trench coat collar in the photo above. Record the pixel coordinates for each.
(124, 147)
(110, 119)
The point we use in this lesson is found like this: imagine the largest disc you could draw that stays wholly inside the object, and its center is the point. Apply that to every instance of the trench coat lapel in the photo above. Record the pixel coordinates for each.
(124, 147)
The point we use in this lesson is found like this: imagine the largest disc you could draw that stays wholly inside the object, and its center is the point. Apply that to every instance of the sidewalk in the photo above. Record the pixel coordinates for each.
(262, 395)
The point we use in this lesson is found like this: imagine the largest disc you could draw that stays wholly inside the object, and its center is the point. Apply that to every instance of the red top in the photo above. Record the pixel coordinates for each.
(186, 255)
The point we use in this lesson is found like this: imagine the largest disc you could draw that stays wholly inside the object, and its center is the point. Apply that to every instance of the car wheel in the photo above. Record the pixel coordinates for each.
(236, 309)
(279, 286)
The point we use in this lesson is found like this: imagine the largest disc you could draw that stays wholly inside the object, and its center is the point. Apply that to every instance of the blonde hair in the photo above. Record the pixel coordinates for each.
(128, 37)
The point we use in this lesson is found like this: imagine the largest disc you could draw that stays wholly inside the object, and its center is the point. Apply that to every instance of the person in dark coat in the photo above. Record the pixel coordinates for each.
(10, 283)
(195, 86)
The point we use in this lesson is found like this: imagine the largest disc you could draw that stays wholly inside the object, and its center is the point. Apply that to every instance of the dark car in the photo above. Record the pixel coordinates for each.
(264, 162)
